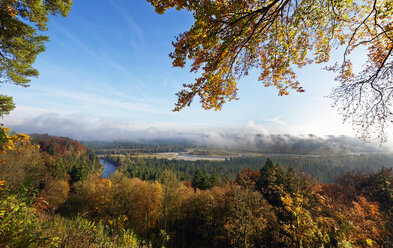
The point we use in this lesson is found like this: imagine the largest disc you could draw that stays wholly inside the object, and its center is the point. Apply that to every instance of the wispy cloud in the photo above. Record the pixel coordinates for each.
(277, 120)
(130, 76)
(134, 82)
(89, 99)
(133, 26)
(77, 41)
(97, 55)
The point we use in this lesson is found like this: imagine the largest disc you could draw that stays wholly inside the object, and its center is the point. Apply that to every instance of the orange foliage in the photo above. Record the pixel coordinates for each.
(334, 192)
(62, 146)
(11, 142)
(247, 178)
(367, 222)
(8, 8)
(53, 196)
(147, 205)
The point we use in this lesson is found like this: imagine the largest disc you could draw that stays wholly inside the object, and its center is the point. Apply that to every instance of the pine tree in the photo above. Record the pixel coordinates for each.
(197, 180)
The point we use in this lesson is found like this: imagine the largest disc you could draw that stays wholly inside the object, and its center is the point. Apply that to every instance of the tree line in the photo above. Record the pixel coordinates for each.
(272, 206)
(105, 148)
(327, 168)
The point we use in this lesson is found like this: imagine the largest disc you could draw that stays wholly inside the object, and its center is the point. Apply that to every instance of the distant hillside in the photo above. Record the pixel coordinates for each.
(244, 142)
(285, 143)
(58, 146)
(49, 169)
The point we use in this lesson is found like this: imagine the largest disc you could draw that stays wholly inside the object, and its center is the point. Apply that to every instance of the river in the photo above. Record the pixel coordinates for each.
(109, 168)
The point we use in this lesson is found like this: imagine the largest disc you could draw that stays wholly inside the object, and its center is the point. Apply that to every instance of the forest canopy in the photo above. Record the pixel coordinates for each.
(230, 37)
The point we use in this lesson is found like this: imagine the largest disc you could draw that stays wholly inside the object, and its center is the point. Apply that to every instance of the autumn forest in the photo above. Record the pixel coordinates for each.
(52, 195)
(107, 163)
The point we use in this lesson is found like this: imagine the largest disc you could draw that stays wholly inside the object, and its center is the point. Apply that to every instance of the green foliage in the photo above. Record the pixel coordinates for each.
(6, 105)
(59, 169)
(80, 233)
(29, 168)
(198, 180)
(384, 188)
(19, 226)
(51, 150)
(327, 168)
(249, 217)
(164, 238)
(169, 178)
(270, 183)
(116, 147)
(203, 181)
(271, 207)
(79, 172)
(128, 239)
(22, 169)
(20, 41)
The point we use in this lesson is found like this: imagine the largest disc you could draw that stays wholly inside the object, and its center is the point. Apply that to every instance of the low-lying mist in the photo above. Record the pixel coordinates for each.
(248, 138)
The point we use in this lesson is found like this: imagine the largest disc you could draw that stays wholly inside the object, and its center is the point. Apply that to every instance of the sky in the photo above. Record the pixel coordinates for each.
(106, 74)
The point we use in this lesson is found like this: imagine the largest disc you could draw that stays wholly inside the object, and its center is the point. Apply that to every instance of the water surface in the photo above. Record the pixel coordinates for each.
(109, 168)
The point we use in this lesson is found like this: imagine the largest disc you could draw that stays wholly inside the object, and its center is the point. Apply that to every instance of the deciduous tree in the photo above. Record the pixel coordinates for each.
(230, 37)
(249, 216)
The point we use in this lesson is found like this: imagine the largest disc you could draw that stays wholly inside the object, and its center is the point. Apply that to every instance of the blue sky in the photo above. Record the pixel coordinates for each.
(106, 68)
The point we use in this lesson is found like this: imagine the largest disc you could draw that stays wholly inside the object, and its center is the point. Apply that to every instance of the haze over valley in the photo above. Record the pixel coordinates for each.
(198, 124)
